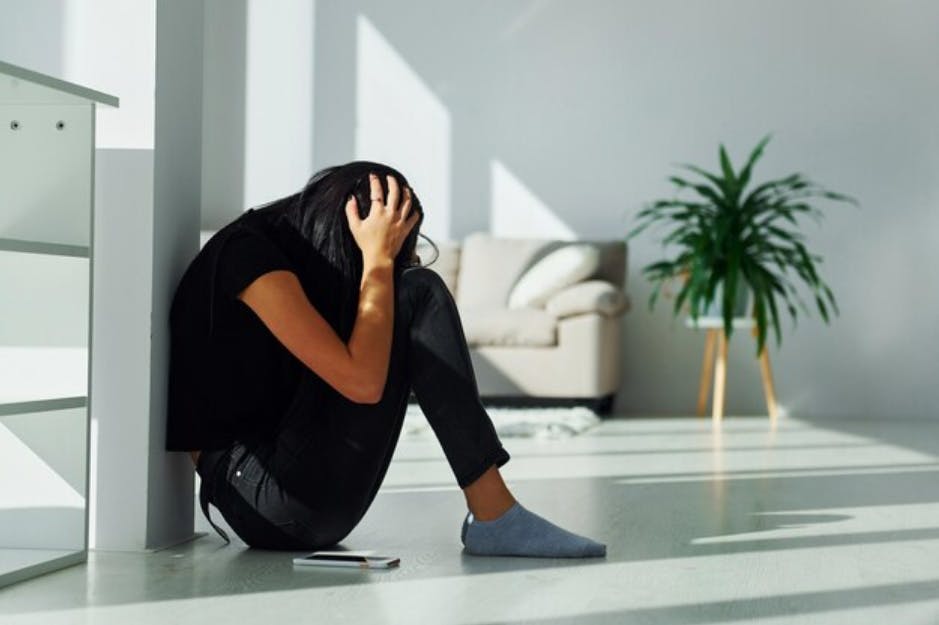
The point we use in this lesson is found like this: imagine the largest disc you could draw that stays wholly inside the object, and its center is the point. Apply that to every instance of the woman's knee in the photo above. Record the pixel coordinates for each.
(418, 285)
(421, 277)
(420, 290)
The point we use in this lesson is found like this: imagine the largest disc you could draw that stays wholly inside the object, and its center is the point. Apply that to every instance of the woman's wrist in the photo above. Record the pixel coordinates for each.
(379, 269)
(377, 261)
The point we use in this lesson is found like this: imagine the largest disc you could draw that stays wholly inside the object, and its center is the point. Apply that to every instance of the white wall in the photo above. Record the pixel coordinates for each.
(258, 104)
(586, 105)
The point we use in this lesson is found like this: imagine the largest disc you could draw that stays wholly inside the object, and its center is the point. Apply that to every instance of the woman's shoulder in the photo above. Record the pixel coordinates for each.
(271, 228)
(240, 250)
(250, 249)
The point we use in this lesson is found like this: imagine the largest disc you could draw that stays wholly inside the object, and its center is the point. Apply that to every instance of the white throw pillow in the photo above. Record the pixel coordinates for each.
(561, 268)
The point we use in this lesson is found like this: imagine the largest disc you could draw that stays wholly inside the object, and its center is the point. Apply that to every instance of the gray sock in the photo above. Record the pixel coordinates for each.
(521, 532)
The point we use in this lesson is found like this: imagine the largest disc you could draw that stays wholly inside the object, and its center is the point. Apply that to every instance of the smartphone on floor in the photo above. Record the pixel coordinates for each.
(346, 558)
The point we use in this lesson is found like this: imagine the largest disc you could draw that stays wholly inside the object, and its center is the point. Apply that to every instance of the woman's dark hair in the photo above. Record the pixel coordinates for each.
(317, 212)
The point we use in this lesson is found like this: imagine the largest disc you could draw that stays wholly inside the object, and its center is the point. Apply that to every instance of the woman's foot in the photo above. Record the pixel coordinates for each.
(521, 532)
(497, 525)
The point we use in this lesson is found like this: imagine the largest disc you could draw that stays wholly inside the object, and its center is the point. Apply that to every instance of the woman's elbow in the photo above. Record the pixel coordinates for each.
(362, 393)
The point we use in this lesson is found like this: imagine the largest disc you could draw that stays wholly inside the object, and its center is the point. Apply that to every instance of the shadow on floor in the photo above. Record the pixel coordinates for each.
(916, 434)
(791, 605)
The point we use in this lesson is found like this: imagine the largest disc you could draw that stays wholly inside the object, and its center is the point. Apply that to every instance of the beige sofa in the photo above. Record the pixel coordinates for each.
(564, 353)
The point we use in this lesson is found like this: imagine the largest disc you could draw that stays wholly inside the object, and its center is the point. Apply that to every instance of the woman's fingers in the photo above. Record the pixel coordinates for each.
(352, 211)
(393, 193)
(376, 194)
(406, 205)
(403, 229)
(411, 220)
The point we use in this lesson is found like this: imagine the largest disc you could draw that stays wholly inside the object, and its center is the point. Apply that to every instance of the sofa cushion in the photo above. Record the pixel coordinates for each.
(559, 269)
(489, 266)
(446, 263)
(598, 296)
(503, 326)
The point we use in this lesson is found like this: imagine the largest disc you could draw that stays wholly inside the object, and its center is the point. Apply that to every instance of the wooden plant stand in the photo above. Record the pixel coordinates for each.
(716, 368)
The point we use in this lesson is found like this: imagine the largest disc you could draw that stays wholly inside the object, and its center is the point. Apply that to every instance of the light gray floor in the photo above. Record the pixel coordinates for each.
(824, 522)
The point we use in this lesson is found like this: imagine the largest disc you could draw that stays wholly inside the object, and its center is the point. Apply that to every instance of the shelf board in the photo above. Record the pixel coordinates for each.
(20, 564)
(47, 89)
(43, 405)
(41, 247)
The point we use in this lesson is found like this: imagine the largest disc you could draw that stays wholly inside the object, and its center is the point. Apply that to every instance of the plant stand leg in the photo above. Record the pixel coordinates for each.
(720, 378)
(767, 374)
(707, 371)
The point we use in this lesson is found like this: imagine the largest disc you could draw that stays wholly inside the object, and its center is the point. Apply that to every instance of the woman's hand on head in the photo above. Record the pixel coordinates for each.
(381, 234)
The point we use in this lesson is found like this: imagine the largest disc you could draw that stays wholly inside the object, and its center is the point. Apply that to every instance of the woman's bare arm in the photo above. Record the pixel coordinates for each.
(358, 370)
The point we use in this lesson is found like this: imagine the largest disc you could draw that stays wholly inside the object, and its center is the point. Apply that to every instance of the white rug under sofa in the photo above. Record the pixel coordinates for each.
(517, 422)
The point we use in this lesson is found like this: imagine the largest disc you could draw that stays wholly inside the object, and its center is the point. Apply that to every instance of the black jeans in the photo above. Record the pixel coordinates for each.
(310, 483)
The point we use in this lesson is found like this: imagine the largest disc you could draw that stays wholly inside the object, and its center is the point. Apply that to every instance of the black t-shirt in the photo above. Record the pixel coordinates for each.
(229, 377)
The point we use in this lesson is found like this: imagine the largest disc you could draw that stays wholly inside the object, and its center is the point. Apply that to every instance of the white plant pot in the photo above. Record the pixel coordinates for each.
(741, 305)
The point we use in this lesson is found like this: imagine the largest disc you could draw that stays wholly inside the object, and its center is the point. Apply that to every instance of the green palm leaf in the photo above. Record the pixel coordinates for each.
(728, 236)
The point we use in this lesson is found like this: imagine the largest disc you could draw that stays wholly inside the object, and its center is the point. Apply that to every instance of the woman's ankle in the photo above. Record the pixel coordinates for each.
(488, 497)
(491, 510)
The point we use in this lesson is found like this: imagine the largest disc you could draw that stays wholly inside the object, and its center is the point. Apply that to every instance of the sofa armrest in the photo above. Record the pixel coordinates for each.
(589, 296)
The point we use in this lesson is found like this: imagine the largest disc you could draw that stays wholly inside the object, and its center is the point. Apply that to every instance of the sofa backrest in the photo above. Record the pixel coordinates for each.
(447, 263)
(482, 269)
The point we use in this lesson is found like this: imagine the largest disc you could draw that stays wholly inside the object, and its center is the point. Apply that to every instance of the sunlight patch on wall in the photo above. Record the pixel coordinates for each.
(92, 30)
(401, 122)
(278, 100)
(516, 211)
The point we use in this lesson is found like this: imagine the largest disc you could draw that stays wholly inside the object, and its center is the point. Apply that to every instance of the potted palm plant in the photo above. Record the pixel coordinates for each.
(730, 237)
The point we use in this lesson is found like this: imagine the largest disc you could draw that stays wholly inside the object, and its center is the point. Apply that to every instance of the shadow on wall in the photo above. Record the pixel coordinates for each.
(224, 112)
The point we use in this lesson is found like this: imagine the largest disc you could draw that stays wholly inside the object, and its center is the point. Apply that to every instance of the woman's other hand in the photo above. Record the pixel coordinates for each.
(381, 234)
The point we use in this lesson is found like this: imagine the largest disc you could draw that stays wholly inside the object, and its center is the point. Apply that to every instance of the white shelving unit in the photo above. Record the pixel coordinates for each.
(47, 146)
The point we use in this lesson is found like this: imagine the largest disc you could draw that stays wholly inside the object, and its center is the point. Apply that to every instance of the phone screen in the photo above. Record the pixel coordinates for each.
(341, 558)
